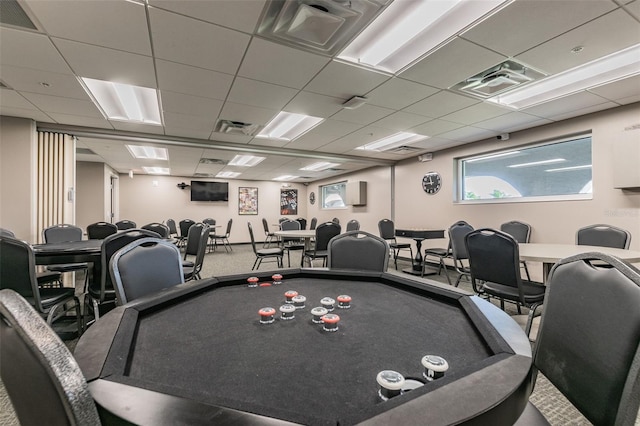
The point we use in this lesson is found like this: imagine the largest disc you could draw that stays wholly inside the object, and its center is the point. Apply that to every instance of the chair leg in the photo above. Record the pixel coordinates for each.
(526, 271)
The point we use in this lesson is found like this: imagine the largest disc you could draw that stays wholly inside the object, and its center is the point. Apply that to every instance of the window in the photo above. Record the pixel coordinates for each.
(334, 195)
(559, 170)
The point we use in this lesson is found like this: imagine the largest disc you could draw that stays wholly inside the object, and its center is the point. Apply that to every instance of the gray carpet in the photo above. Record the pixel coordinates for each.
(553, 404)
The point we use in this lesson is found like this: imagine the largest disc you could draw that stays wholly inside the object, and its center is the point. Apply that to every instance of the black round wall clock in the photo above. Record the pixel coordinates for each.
(431, 182)
(312, 198)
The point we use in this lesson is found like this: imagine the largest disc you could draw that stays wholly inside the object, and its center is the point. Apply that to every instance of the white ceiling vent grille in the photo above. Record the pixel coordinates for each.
(323, 26)
(404, 149)
(212, 161)
(500, 78)
(12, 14)
(236, 127)
(204, 175)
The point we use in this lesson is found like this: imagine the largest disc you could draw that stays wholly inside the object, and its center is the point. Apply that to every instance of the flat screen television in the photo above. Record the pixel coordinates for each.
(209, 191)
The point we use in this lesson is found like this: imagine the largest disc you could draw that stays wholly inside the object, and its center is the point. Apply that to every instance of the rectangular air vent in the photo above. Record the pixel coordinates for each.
(204, 175)
(498, 79)
(404, 149)
(12, 14)
(212, 161)
(236, 127)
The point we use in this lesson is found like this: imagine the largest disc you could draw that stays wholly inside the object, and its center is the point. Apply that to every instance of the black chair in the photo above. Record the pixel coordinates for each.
(521, 232)
(387, 230)
(143, 267)
(353, 225)
(212, 230)
(457, 233)
(335, 220)
(101, 230)
(314, 223)
(289, 243)
(223, 238)
(264, 253)
(41, 377)
(125, 224)
(184, 226)
(65, 233)
(44, 278)
(358, 250)
(494, 259)
(303, 222)
(6, 233)
(603, 236)
(173, 230)
(441, 254)
(268, 235)
(18, 273)
(324, 233)
(587, 344)
(159, 228)
(196, 245)
(101, 296)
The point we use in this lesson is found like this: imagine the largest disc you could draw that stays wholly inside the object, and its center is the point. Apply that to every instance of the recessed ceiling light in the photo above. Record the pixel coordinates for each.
(228, 174)
(157, 170)
(538, 163)
(148, 152)
(318, 167)
(288, 126)
(564, 169)
(393, 141)
(286, 177)
(124, 102)
(245, 160)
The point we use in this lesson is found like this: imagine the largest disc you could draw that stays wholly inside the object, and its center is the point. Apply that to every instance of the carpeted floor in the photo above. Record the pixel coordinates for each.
(553, 404)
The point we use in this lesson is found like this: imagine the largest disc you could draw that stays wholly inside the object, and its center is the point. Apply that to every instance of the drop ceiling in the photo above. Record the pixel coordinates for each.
(210, 62)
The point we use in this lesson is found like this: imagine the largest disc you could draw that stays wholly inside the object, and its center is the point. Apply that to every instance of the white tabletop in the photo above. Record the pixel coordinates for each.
(551, 253)
(297, 233)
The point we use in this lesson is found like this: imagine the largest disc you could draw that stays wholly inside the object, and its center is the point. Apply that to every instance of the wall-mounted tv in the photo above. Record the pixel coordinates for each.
(209, 191)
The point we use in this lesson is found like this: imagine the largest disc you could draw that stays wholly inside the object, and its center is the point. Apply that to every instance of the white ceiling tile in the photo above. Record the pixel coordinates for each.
(94, 22)
(256, 93)
(191, 105)
(565, 104)
(322, 134)
(454, 62)
(475, 113)
(401, 121)
(555, 55)
(583, 111)
(313, 104)
(440, 104)
(79, 120)
(468, 134)
(12, 99)
(358, 138)
(106, 64)
(633, 8)
(193, 81)
(29, 80)
(239, 15)
(30, 50)
(528, 23)
(628, 100)
(398, 93)
(186, 121)
(33, 114)
(366, 114)
(510, 120)
(620, 89)
(188, 41)
(435, 127)
(186, 132)
(345, 81)
(60, 105)
(277, 64)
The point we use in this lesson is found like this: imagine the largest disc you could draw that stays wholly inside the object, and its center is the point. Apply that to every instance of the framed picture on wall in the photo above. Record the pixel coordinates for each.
(247, 201)
(288, 201)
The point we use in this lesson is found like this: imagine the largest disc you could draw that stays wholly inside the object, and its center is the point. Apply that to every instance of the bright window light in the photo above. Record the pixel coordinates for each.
(616, 66)
(156, 170)
(124, 102)
(492, 156)
(405, 30)
(318, 167)
(148, 152)
(286, 177)
(245, 160)
(228, 174)
(288, 126)
(564, 169)
(393, 141)
(538, 163)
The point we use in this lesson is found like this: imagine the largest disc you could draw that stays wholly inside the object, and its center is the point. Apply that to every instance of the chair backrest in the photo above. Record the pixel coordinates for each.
(303, 222)
(41, 377)
(109, 247)
(18, 270)
(185, 224)
(125, 224)
(603, 236)
(228, 232)
(494, 257)
(314, 223)
(324, 233)
(193, 239)
(335, 220)
(171, 224)
(520, 231)
(290, 225)
(101, 230)
(145, 266)
(353, 225)
(62, 233)
(588, 342)
(387, 229)
(358, 250)
(457, 232)
(159, 228)
(265, 226)
(253, 240)
(6, 233)
(209, 221)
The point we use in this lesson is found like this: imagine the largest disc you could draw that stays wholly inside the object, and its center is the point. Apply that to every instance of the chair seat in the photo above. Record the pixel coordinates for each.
(48, 277)
(533, 292)
(317, 254)
(531, 416)
(52, 296)
(437, 251)
(399, 245)
(269, 252)
(68, 267)
(109, 293)
(187, 263)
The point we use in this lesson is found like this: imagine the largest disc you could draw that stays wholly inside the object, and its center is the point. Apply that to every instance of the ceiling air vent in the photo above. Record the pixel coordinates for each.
(500, 78)
(322, 26)
(212, 161)
(236, 127)
(12, 14)
(404, 149)
(204, 175)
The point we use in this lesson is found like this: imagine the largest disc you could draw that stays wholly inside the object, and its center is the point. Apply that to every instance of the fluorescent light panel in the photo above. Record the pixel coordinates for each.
(405, 31)
(286, 177)
(124, 102)
(148, 152)
(492, 156)
(246, 160)
(318, 167)
(228, 174)
(393, 141)
(538, 163)
(564, 169)
(157, 170)
(288, 126)
(607, 69)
